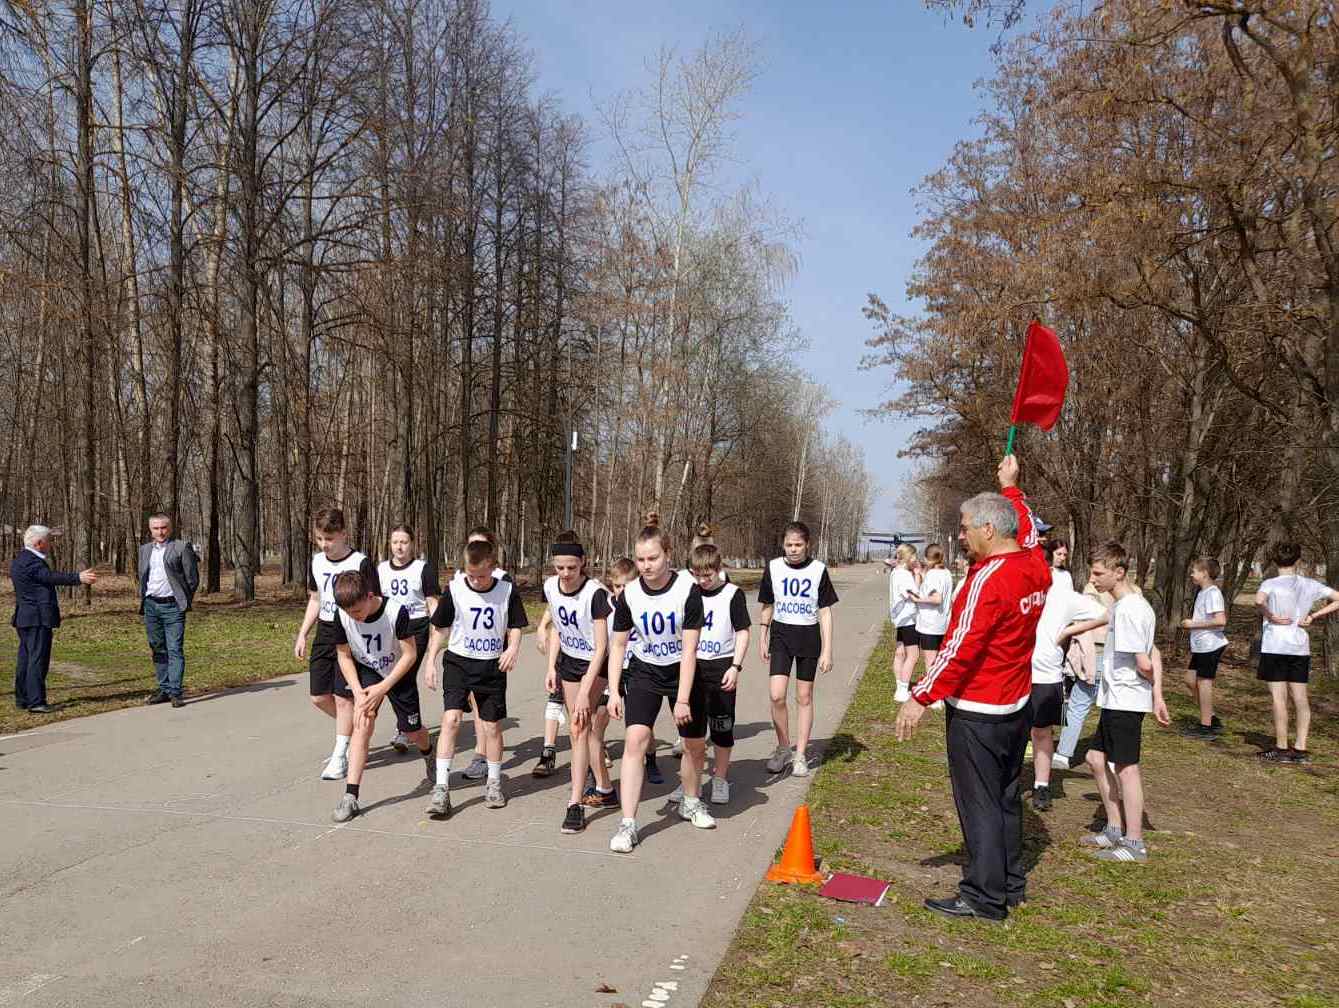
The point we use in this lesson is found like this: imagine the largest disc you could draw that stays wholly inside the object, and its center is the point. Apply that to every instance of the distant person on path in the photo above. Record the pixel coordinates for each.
(1207, 644)
(1285, 603)
(36, 615)
(984, 674)
(169, 574)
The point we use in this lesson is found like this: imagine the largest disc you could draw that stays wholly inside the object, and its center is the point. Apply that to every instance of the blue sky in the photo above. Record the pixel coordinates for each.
(856, 103)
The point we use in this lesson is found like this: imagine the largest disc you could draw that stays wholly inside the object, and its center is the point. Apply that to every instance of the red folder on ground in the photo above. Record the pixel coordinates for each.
(855, 889)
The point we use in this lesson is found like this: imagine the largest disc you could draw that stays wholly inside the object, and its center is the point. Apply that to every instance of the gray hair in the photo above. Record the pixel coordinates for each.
(33, 533)
(991, 509)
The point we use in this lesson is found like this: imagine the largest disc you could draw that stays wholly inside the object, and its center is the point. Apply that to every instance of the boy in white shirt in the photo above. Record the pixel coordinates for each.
(1207, 644)
(1130, 687)
(1285, 603)
(1060, 620)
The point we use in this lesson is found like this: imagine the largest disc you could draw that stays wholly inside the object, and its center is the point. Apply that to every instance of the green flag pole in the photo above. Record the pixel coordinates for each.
(1009, 447)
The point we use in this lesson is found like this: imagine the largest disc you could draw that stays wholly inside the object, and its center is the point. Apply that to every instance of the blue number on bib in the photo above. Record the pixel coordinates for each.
(655, 623)
(369, 638)
(706, 620)
(567, 617)
(795, 587)
(486, 613)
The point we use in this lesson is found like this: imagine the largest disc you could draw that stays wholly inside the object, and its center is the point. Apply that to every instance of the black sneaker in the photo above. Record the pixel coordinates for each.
(1302, 757)
(1205, 733)
(653, 774)
(178, 702)
(1041, 799)
(575, 820)
(158, 697)
(548, 761)
(1215, 724)
(1275, 755)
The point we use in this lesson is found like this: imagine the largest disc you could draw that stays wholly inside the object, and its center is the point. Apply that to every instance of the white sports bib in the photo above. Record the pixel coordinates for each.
(404, 586)
(657, 620)
(323, 573)
(571, 615)
(795, 590)
(718, 630)
(480, 627)
(374, 644)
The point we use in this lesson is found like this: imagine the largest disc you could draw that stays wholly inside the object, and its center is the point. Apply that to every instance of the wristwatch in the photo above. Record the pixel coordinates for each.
(738, 668)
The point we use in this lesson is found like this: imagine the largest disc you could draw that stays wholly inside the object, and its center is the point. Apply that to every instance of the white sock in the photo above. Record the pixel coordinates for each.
(443, 771)
(629, 822)
(341, 745)
(903, 693)
(494, 770)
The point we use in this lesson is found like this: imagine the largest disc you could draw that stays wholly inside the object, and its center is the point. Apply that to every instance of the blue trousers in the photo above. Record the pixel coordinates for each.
(166, 627)
(31, 668)
(1081, 700)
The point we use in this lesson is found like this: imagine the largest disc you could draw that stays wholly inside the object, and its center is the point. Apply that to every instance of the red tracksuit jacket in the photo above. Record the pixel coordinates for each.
(985, 666)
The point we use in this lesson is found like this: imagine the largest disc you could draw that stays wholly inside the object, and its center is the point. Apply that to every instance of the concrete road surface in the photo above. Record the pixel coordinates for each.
(154, 856)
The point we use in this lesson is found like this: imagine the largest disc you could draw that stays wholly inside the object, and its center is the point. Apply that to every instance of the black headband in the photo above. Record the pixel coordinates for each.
(566, 549)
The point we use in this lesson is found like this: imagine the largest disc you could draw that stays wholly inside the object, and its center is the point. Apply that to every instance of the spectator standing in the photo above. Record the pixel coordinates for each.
(36, 615)
(168, 577)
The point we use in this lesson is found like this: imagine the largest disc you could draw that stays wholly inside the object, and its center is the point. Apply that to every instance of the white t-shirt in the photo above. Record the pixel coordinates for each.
(1063, 607)
(901, 610)
(1129, 634)
(931, 619)
(1063, 577)
(1208, 602)
(1293, 596)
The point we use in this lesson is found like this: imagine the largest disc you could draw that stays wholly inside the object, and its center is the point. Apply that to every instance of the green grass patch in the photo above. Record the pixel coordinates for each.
(1238, 904)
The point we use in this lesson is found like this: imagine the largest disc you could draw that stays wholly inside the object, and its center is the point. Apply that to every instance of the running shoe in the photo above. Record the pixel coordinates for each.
(1275, 755)
(439, 807)
(1123, 851)
(597, 799)
(720, 791)
(346, 809)
(575, 820)
(1059, 762)
(399, 743)
(336, 768)
(653, 774)
(1102, 838)
(625, 839)
(493, 794)
(675, 796)
(781, 755)
(1041, 799)
(694, 811)
(477, 770)
(1302, 757)
(800, 767)
(548, 761)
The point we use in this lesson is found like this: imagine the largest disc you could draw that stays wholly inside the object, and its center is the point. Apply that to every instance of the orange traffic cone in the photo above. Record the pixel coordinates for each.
(797, 857)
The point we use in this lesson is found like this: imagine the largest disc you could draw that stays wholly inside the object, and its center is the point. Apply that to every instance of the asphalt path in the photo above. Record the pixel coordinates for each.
(153, 856)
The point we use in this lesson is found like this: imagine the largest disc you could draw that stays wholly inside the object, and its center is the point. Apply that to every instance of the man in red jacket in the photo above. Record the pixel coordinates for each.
(984, 675)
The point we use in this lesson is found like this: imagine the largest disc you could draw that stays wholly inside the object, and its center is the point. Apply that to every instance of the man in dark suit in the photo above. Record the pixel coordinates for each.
(168, 577)
(36, 615)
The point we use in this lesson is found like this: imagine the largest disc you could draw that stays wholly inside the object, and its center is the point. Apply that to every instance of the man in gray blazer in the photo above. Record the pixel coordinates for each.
(168, 577)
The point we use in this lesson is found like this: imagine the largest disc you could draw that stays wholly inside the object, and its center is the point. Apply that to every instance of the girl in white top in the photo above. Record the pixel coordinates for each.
(902, 592)
(933, 599)
(1207, 642)
(412, 583)
(1285, 603)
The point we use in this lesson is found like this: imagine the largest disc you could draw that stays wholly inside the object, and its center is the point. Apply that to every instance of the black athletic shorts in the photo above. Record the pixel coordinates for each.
(1118, 736)
(720, 702)
(929, 641)
(403, 697)
(492, 704)
(1294, 668)
(1048, 704)
(908, 636)
(641, 706)
(1205, 663)
(323, 674)
(806, 668)
(574, 669)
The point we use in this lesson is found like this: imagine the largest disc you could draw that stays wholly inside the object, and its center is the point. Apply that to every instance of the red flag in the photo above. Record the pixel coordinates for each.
(1042, 380)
